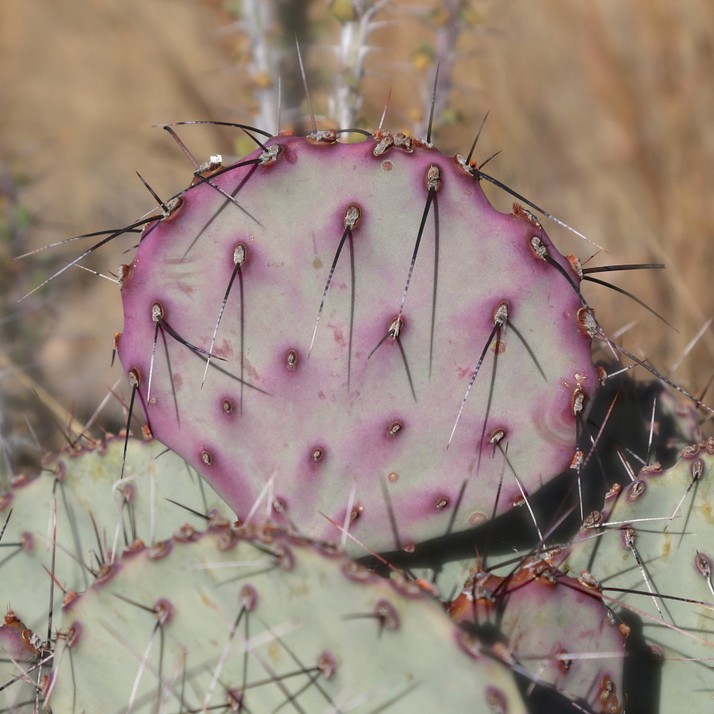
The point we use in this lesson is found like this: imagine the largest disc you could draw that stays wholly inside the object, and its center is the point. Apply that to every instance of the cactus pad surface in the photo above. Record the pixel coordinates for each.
(79, 513)
(353, 331)
(260, 624)
(556, 629)
(651, 549)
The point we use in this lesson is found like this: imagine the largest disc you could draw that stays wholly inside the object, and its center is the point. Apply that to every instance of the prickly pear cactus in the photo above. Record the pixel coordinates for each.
(71, 520)
(650, 550)
(259, 623)
(360, 354)
(557, 630)
(351, 333)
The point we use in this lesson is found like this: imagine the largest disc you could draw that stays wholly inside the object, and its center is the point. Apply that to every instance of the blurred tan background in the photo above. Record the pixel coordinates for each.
(604, 112)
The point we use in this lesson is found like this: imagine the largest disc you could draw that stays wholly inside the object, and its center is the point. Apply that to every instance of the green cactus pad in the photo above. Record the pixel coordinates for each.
(98, 513)
(651, 550)
(218, 622)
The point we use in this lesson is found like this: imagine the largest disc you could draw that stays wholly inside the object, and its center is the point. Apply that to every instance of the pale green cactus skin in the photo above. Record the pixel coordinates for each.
(274, 617)
(79, 512)
(663, 520)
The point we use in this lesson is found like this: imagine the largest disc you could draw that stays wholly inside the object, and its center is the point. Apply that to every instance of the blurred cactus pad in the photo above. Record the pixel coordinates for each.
(393, 423)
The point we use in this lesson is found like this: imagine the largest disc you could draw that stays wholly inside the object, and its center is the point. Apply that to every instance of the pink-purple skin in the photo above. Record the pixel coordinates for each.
(322, 444)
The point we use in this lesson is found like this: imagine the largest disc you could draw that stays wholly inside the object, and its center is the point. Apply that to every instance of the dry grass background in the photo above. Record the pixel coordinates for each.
(604, 111)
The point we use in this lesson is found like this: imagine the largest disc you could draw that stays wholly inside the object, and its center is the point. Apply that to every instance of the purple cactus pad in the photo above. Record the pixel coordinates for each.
(347, 301)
